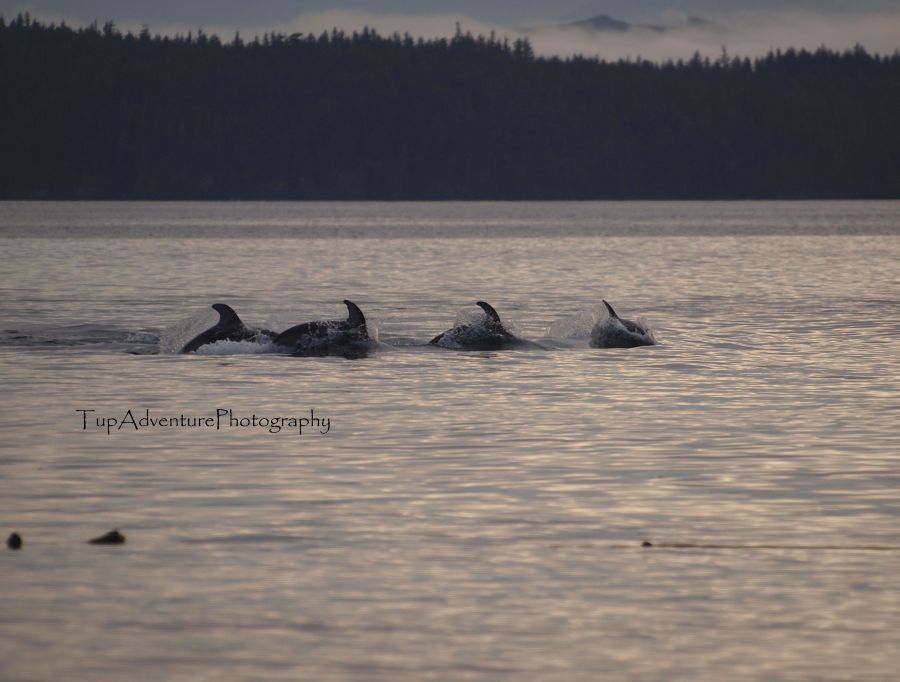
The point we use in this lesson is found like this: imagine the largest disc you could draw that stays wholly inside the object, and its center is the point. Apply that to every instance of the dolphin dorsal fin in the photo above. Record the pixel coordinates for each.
(610, 309)
(490, 312)
(227, 316)
(356, 318)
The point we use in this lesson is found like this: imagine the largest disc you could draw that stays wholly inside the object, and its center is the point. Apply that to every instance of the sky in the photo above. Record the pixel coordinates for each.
(742, 27)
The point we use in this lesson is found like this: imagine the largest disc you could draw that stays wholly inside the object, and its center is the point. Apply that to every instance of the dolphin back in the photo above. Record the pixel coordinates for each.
(612, 312)
(617, 332)
(228, 319)
(229, 322)
(304, 330)
(328, 337)
(230, 327)
(355, 318)
(490, 312)
(487, 335)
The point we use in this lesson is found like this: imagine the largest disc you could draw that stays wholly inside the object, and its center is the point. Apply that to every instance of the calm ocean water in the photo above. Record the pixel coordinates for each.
(467, 515)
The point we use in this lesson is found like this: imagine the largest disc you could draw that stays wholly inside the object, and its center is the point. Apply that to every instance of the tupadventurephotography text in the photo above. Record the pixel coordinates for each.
(222, 420)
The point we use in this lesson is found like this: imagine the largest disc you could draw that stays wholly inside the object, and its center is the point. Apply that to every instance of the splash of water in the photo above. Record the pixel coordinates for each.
(579, 325)
(173, 337)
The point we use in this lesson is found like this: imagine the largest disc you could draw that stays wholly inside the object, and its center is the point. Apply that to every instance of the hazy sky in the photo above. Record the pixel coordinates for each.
(741, 26)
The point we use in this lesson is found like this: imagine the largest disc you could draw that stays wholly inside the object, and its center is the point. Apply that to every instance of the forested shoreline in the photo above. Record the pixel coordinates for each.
(95, 113)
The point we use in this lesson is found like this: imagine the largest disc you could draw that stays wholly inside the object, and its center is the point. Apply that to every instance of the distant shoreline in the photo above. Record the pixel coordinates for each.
(94, 114)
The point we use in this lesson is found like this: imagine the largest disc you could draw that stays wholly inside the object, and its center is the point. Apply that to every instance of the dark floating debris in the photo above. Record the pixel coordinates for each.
(14, 541)
(113, 537)
(823, 548)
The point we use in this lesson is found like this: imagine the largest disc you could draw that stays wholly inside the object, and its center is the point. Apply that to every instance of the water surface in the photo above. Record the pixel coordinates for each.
(468, 515)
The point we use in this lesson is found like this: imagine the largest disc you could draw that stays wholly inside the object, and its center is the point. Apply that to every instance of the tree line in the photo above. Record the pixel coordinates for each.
(96, 113)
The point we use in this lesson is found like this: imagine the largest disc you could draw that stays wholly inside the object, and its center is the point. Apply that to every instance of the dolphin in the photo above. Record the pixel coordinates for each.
(615, 332)
(349, 337)
(488, 334)
(228, 328)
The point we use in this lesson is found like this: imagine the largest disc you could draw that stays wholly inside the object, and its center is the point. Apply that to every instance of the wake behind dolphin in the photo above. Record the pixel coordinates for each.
(488, 334)
(615, 332)
(228, 328)
(349, 337)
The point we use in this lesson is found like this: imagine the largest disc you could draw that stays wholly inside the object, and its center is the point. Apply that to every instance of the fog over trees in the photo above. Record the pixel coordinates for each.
(97, 114)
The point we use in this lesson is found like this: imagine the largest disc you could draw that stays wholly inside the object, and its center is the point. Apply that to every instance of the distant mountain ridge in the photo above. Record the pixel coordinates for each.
(603, 23)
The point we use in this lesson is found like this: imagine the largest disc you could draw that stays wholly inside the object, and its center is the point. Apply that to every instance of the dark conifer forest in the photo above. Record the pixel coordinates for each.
(95, 113)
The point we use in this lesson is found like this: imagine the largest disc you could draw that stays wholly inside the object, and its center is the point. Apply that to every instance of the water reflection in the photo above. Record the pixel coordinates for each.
(469, 515)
